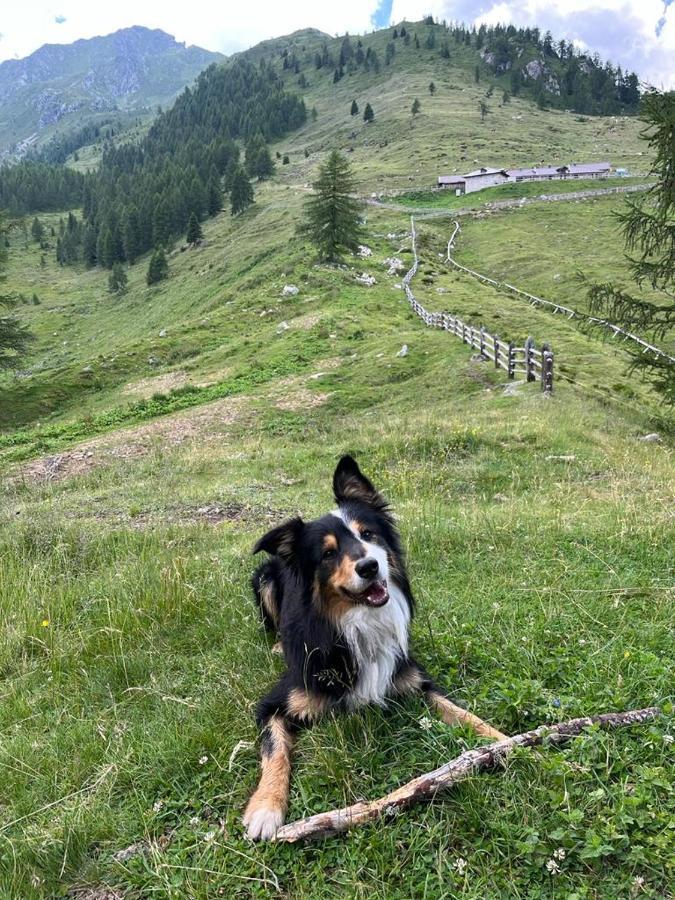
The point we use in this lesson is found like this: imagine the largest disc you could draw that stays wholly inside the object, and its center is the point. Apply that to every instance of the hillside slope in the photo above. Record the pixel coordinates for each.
(65, 85)
(151, 437)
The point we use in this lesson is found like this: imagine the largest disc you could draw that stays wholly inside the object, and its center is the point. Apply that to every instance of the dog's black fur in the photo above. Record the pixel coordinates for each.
(330, 587)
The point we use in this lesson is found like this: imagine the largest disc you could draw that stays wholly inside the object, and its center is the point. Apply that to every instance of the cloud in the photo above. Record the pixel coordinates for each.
(60, 20)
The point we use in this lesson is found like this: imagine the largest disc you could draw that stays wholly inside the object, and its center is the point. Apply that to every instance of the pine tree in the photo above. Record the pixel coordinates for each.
(194, 230)
(117, 280)
(648, 231)
(484, 110)
(476, 73)
(331, 214)
(368, 114)
(158, 269)
(354, 111)
(131, 235)
(14, 337)
(37, 230)
(214, 196)
(241, 192)
(432, 88)
(416, 107)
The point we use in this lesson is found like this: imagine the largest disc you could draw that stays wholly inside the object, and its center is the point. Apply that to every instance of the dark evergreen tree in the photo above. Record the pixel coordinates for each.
(194, 230)
(37, 230)
(158, 269)
(432, 88)
(476, 73)
(484, 110)
(354, 111)
(368, 114)
(648, 226)
(332, 215)
(117, 280)
(14, 337)
(131, 236)
(416, 107)
(241, 192)
(215, 196)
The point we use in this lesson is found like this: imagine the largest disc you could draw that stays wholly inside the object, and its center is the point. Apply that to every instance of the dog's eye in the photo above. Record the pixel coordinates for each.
(328, 554)
(367, 535)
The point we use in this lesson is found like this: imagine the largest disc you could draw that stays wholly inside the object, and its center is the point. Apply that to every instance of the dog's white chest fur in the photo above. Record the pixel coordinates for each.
(377, 639)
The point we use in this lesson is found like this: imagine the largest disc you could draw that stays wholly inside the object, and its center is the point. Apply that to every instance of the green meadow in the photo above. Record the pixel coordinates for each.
(150, 438)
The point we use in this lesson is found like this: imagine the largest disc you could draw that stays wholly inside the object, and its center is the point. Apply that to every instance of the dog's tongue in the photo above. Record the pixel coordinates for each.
(377, 594)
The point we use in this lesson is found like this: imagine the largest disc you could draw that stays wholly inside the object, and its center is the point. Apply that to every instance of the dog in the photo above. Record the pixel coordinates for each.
(337, 592)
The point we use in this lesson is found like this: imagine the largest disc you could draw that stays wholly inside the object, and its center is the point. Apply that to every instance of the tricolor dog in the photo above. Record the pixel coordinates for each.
(337, 592)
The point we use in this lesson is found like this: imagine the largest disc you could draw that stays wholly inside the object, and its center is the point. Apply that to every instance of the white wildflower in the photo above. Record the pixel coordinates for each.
(426, 723)
(460, 865)
(203, 760)
(194, 821)
(210, 836)
(553, 867)
(559, 853)
(157, 805)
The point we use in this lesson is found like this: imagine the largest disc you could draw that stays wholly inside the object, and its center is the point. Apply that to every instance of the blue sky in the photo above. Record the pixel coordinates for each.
(637, 34)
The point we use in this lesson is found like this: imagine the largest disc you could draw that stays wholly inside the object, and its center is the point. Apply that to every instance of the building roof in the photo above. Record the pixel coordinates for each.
(573, 169)
(451, 179)
(485, 171)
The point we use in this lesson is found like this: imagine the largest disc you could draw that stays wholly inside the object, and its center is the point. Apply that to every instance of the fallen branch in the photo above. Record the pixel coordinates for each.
(427, 785)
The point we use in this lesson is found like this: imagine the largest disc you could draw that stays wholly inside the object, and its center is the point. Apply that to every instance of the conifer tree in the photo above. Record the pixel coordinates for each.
(416, 107)
(194, 230)
(158, 269)
(332, 215)
(131, 235)
(432, 88)
(354, 111)
(648, 226)
(37, 230)
(368, 114)
(14, 337)
(117, 280)
(215, 196)
(241, 192)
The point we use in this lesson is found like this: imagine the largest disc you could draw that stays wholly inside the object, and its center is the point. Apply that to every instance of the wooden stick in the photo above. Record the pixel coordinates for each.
(427, 785)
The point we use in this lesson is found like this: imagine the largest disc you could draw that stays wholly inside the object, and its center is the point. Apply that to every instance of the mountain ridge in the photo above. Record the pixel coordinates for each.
(131, 69)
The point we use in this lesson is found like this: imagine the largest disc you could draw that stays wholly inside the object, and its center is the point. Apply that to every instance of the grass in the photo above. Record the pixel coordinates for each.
(539, 535)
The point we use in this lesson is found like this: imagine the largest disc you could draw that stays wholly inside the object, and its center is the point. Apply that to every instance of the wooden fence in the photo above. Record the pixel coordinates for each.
(535, 365)
(556, 307)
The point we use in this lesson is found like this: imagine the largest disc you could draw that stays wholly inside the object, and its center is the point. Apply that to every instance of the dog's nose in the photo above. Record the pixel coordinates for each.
(367, 568)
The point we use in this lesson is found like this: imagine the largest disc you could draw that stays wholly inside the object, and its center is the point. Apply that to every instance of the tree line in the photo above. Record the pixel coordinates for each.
(143, 195)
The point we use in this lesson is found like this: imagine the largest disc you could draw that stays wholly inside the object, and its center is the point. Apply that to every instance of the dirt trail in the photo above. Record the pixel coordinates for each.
(206, 422)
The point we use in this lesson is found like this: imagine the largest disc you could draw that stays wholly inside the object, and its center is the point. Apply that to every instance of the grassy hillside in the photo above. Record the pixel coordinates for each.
(152, 437)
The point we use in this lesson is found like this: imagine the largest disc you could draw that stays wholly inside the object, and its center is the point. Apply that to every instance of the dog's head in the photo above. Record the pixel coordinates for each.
(349, 556)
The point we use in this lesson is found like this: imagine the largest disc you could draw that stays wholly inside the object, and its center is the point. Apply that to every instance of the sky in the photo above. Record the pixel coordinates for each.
(636, 34)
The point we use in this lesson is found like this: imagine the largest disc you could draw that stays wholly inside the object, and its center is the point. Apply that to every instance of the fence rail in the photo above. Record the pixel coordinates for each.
(534, 364)
(556, 307)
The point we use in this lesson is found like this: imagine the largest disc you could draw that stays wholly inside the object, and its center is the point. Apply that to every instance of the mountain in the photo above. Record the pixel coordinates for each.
(63, 85)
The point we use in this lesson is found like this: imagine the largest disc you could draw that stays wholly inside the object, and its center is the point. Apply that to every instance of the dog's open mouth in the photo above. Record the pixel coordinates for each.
(376, 594)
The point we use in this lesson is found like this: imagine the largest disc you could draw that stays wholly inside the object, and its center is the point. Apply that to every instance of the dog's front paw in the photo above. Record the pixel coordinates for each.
(262, 821)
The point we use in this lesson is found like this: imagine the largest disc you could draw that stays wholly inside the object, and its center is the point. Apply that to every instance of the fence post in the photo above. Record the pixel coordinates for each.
(546, 369)
(496, 351)
(512, 361)
(529, 363)
(482, 340)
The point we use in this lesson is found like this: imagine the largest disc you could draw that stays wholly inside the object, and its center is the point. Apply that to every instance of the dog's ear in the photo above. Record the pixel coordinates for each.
(283, 540)
(349, 483)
